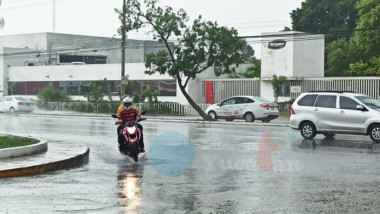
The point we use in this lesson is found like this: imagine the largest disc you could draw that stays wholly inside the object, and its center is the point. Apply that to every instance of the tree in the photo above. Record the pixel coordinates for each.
(149, 94)
(96, 91)
(367, 34)
(340, 55)
(48, 94)
(277, 83)
(199, 46)
(326, 17)
(253, 70)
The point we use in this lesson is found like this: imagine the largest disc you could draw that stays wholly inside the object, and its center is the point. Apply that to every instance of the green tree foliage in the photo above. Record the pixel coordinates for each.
(367, 36)
(340, 55)
(371, 68)
(253, 70)
(277, 83)
(96, 91)
(48, 94)
(199, 45)
(149, 94)
(324, 16)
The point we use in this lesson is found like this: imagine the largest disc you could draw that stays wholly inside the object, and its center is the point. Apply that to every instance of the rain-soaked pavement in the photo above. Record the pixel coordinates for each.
(205, 169)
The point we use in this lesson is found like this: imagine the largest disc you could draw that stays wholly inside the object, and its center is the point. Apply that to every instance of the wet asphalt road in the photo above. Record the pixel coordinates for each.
(235, 169)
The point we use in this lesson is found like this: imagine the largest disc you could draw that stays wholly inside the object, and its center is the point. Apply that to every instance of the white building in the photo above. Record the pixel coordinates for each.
(30, 62)
(295, 55)
(67, 62)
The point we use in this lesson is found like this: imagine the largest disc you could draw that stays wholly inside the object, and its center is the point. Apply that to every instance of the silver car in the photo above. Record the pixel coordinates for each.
(248, 108)
(16, 104)
(328, 113)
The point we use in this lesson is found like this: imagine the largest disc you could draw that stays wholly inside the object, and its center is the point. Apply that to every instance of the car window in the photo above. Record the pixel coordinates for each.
(9, 98)
(2, 99)
(247, 100)
(370, 102)
(347, 103)
(20, 98)
(326, 101)
(230, 101)
(239, 100)
(307, 100)
(261, 99)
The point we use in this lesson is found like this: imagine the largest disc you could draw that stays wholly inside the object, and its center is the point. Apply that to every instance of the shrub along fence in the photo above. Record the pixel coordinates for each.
(154, 108)
(110, 107)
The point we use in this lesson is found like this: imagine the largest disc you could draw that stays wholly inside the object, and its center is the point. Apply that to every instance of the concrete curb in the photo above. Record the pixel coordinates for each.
(70, 162)
(42, 146)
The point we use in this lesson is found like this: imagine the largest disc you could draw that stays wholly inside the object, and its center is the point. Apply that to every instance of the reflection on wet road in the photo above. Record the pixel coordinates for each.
(235, 169)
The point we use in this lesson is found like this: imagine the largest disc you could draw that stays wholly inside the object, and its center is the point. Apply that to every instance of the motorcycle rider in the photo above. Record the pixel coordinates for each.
(128, 113)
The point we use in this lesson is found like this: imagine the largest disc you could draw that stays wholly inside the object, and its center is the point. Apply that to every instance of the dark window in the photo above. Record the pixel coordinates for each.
(347, 103)
(247, 100)
(84, 59)
(239, 100)
(285, 90)
(229, 102)
(307, 100)
(326, 101)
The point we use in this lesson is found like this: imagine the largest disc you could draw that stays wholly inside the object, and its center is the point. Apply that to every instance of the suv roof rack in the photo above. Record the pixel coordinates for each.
(331, 91)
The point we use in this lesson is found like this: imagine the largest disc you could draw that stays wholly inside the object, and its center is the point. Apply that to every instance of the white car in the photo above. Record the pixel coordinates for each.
(16, 104)
(249, 108)
(331, 112)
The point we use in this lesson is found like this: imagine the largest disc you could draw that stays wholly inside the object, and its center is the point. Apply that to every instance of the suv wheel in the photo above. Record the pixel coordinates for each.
(308, 130)
(249, 117)
(374, 133)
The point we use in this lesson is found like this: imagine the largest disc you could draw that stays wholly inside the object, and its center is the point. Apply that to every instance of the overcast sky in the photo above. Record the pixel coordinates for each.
(97, 17)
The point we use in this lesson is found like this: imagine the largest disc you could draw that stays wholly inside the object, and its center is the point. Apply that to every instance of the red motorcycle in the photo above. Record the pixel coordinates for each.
(132, 135)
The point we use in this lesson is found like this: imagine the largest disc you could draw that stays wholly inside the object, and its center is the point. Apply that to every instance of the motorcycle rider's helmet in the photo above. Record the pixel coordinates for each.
(127, 102)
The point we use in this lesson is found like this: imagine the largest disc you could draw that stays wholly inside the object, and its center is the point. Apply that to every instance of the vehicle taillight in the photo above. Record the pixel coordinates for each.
(291, 110)
(19, 103)
(264, 105)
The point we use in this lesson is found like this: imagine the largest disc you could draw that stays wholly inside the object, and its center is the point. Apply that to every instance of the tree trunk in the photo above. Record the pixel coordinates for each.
(193, 104)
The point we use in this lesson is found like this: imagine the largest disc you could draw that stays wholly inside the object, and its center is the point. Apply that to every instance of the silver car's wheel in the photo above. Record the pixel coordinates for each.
(12, 110)
(375, 133)
(249, 117)
(212, 114)
(308, 130)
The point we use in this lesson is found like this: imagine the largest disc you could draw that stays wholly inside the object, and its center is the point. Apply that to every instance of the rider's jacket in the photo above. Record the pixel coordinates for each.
(129, 116)
(120, 109)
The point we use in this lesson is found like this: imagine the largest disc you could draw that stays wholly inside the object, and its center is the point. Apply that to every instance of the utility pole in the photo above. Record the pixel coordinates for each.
(123, 38)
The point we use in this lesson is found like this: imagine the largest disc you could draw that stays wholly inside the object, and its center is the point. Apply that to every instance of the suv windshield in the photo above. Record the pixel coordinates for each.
(370, 102)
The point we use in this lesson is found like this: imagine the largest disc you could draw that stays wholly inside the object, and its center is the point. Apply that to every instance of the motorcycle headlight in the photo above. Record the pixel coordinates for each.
(131, 130)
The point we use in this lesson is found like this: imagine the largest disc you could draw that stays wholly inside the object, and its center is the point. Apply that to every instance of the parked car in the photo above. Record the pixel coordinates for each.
(331, 112)
(249, 108)
(16, 104)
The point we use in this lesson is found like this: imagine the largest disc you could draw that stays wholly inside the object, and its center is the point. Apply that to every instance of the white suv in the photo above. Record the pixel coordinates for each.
(330, 112)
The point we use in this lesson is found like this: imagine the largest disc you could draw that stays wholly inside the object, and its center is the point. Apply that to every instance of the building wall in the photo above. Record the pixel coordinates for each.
(276, 61)
(309, 56)
(135, 71)
(302, 55)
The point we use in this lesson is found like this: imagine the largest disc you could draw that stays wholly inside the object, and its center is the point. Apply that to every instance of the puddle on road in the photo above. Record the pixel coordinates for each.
(329, 143)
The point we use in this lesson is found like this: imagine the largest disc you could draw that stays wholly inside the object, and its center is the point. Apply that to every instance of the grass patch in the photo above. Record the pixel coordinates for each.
(8, 142)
